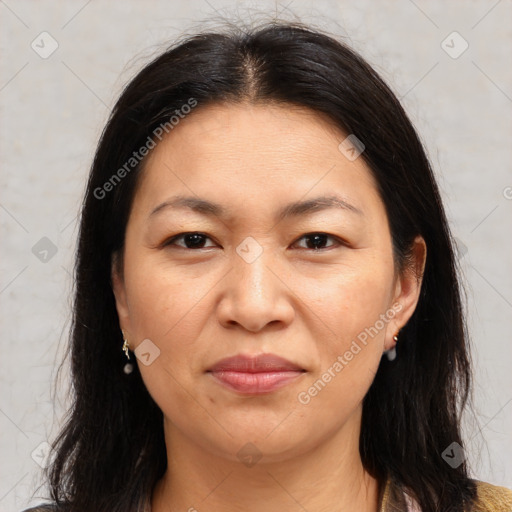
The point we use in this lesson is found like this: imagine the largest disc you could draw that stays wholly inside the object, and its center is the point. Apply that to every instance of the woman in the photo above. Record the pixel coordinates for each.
(263, 239)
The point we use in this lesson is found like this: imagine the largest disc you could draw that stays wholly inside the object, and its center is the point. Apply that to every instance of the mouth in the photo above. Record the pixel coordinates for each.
(255, 375)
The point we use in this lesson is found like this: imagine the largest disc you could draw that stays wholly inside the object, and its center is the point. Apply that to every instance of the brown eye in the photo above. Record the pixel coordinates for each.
(193, 240)
(317, 241)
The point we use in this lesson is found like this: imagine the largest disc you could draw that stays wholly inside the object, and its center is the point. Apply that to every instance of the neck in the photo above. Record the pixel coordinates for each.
(329, 478)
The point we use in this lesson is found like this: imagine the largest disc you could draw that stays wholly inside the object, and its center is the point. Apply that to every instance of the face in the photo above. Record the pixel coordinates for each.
(258, 285)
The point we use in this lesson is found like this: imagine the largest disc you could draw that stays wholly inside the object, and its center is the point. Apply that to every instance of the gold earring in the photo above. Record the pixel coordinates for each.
(391, 353)
(128, 367)
(126, 345)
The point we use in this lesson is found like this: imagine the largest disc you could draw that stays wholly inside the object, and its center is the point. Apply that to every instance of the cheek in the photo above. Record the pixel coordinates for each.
(353, 306)
(351, 300)
(164, 308)
(163, 300)
(168, 309)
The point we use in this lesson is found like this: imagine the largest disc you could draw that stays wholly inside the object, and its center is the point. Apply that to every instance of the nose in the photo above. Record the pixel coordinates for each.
(255, 295)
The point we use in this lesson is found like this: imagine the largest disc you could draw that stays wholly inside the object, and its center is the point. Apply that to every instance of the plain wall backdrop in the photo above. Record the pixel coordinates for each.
(63, 66)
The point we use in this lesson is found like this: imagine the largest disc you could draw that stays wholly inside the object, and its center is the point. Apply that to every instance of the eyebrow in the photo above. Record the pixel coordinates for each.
(295, 209)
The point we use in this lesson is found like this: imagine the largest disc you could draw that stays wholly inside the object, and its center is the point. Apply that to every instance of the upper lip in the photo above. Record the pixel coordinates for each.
(263, 363)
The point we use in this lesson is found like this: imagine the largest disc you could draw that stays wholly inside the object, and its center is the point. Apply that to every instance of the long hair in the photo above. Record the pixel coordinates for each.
(111, 450)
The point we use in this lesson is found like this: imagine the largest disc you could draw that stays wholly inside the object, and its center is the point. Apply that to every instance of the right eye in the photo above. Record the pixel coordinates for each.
(191, 240)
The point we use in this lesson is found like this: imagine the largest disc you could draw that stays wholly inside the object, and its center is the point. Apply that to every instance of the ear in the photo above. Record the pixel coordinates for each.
(407, 290)
(118, 287)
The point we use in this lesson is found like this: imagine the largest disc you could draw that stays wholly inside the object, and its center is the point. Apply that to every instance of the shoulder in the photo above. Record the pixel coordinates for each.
(489, 498)
(492, 498)
(42, 508)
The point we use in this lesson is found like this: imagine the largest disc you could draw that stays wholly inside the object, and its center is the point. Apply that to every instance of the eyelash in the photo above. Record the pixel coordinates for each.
(171, 240)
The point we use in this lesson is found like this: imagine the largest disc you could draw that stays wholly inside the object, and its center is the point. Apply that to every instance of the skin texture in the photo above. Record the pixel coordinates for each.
(200, 305)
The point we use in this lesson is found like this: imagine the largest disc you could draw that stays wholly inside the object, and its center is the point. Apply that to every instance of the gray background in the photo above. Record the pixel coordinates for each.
(53, 110)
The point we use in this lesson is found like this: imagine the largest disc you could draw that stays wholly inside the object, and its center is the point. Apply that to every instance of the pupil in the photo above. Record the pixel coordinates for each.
(194, 240)
(318, 240)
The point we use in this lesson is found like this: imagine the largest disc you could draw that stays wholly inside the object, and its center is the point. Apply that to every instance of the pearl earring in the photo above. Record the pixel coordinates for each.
(391, 353)
(128, 367)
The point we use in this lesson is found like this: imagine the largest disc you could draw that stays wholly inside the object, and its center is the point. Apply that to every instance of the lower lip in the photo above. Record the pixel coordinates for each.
(255, 383)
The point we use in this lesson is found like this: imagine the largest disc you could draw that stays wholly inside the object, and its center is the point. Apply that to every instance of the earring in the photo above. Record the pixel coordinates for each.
(128, 367)
(391, 353)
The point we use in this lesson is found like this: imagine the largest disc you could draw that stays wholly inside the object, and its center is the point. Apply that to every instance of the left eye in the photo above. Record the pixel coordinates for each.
(317, 240)
(196, 240)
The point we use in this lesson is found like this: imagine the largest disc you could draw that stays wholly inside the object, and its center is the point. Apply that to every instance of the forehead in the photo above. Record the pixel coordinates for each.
(254, 153)
(243, 131)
